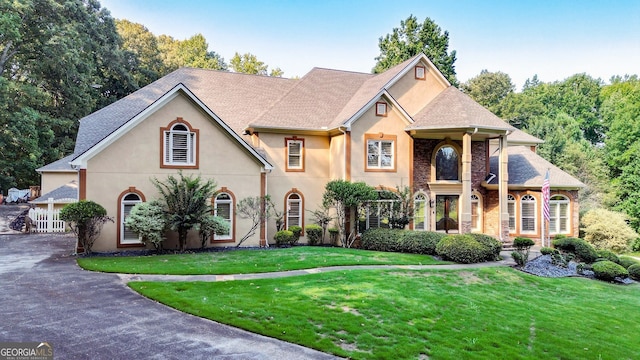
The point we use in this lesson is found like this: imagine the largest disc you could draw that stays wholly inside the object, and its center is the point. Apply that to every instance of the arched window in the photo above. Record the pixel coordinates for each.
(559, 215)
(511, 208)
(447, 166)
(528, 214)
(127, 202)
(476, 213)
(420, 212)
(294, 210)
(223, 207)
(179, 145)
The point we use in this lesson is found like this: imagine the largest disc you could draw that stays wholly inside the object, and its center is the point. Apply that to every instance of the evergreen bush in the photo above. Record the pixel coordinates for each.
(314, 234)
(608, 230)
(283, 237)
(634, 272)
(548, 251)
(608, 270)
(608, 255)
(492, 245)
(627, 261)
(462, 249)
(297, 232)
(579, 247)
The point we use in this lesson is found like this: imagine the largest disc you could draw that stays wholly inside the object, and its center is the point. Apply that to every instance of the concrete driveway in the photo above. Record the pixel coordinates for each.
(45, 296)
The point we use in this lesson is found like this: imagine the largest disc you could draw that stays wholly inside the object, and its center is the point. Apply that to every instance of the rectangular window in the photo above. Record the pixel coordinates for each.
(381, 109)
(380, 155)
(559, 217)
(511, 208)
(420, 72)
(295, 154)
(475, 216)
(528, 217)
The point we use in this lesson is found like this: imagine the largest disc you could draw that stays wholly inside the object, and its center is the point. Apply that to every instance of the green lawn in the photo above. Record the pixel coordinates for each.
(488, 313)
(250, 261)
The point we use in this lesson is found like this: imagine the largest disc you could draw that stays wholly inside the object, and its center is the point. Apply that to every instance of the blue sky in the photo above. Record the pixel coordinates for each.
(553, 39)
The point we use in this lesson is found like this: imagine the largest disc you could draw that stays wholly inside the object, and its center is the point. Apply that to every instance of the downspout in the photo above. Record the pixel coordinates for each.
(266, 193)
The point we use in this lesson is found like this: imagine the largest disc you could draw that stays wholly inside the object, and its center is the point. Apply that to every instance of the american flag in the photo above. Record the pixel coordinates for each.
(546, 194)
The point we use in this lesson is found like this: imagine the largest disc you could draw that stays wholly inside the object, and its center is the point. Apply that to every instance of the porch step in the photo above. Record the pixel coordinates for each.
(508, 246)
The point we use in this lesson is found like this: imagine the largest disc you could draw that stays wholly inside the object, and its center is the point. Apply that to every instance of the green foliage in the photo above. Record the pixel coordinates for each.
(283, 237)
(147, 219)
(141, 47)
(405, 241)
(297, 232)
(85, 218)
(607, 230)
(608, 270)
(191, 52)
(249, 64)
(314, 234)
(186, 201)
(548, 251)
(322, 217)
(519, 258)
(489, 88)
(381, 239)
(462, 249)
(635, 246)
(627, 261)
(492, 245)
(211, 225)
(523, 246)
(580, 248)
(634, 272)
(607, 255)
(412, 38)
(342, 195)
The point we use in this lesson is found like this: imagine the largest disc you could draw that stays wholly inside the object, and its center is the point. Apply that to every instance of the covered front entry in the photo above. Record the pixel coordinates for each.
(447, 213)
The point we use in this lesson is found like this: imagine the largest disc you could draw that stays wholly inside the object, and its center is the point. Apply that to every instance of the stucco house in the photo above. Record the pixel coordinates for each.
(255, 135)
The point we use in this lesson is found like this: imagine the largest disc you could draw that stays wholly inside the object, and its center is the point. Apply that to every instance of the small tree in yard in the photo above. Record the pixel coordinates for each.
(257, 209)
(211, 225)
(85, 218)
(345, 196)
(321, 217)
(147, 219)
(608, 230)
(186, 201)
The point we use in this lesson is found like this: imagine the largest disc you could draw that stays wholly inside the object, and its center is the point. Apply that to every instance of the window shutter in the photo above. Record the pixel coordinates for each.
(528, 217)
(180, 147)
(295, 153)
(167, 147)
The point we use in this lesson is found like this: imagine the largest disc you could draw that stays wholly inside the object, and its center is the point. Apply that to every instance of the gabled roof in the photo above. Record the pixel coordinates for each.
(80, 159)
(521, 138)
(527, 170)
(236, 98)
(453, 109)
(62, 165)
(65, 194)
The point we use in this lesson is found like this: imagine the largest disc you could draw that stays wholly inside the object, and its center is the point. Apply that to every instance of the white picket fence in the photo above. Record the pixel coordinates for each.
(47, 220)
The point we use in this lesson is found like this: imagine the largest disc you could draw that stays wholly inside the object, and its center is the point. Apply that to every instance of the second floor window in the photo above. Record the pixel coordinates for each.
(179, 146)
(380, 154)
(295, 154)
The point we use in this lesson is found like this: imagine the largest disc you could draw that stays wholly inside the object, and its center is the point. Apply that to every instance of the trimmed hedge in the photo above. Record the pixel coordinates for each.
(608, 270)
(608, 255)
(548, 251)
(406, 241)
(283, 237)
(297, 232)
(492, 245)
(582, 249)
(462, 249)
(627, 261)
(314, 233)
(634, 272)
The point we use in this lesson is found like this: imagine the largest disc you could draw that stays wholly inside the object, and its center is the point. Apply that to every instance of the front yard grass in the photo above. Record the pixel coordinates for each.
(250, 261)
(486, 313)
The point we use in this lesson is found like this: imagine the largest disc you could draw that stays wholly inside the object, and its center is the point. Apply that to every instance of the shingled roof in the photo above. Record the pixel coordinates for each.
(61, 165)
(527, 169)
(454, 109)
(67, 193)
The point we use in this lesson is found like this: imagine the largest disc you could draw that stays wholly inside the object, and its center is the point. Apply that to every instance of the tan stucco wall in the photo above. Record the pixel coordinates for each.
(414, 94)
(134, 159)
(392, 124)
(53, 180)
(336, 158)
(310, 182)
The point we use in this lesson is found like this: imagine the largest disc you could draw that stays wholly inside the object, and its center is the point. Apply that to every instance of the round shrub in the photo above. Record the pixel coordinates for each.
(523, 242)
(419, 242)
(548, 251)
(518, 258)
(608, 270)
(627, 261)
(608, 255)
(579, 247)
(297, 232)
(283, 237)
(381, 239)
(462, 249)
(314, 233)
(607, 230)
(492, 246)
(634, 272)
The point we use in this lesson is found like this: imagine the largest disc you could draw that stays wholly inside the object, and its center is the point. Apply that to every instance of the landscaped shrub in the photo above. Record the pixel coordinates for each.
(381, 239)
(548, 251)
(523, 246)
(634, 272)
(492, 245)
(297, 231)
(608, 270)
(635, 246)
(519, 258)
(462, 248)
(419, 242)
(314, 234)
(333, 235)
(608, 255)
(583, 250)
(283, 237)
(627, 261)
(85, 218)
(608, 230)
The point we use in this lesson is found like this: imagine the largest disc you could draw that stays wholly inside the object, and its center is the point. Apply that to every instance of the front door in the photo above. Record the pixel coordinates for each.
(447, 213)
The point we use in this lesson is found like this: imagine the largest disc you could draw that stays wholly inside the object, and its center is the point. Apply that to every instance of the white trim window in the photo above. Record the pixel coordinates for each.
(179, 146)
(126, 235)
(294, 210)
(223, 207)
(295, 149)
(381, 109)
(528, 215)
(420, 212)
(558, 215)
(511, 208)
(476, 213)
(380, 154)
